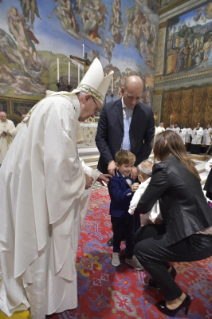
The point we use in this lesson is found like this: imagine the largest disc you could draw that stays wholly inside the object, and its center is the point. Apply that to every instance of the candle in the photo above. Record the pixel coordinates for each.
(58, 70)
(112, 85)
(170, 120)
(69, 66)
(78, 74)
(83, 51)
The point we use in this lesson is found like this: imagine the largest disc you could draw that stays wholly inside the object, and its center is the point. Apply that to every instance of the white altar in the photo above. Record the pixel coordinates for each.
(89, 134)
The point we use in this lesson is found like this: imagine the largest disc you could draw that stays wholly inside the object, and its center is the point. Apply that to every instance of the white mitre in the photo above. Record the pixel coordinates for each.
(94, 81)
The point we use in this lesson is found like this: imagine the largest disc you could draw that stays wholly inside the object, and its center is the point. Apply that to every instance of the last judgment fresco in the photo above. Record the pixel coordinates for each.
(35, 33)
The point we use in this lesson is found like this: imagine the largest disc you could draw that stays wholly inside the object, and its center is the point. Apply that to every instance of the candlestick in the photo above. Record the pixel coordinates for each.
(83, 51)
(112, 85)
(69, 67)
(58, 86)
(69, 87)
(112, 96)
(58, 70)
(78, 74)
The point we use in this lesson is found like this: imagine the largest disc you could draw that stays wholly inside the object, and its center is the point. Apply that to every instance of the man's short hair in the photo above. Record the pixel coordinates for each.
(125, 157)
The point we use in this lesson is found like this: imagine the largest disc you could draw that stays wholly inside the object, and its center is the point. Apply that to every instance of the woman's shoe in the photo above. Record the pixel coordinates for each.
(172, 312)
(153, 283)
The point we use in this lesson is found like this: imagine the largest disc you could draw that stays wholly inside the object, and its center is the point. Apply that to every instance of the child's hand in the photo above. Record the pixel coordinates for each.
(134, 187)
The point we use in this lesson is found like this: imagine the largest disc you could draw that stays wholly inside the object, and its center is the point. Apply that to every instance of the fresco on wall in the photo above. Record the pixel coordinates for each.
(188, 45)
(34, 33)
(163, 3)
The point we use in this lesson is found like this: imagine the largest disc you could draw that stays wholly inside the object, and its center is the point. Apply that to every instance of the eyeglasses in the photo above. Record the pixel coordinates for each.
(97, 108)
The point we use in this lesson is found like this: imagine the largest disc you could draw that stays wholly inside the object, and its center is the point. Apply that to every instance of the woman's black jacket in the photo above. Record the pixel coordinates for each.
(183, 206)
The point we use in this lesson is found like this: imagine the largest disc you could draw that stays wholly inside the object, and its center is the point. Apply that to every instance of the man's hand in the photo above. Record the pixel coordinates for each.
(104, 179)
(89, 181)
(134, 173)
(111, 168)
(134, 187)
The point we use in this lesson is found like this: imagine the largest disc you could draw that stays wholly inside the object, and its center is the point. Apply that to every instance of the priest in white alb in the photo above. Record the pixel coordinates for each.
(44, 194)
(197, 134)
(160, 128)
(6, 135)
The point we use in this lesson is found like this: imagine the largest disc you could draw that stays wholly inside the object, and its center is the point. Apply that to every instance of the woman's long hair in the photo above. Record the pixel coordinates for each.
(170, 143)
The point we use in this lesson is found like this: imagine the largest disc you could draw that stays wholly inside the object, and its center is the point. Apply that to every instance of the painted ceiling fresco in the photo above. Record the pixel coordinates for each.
(34, 33)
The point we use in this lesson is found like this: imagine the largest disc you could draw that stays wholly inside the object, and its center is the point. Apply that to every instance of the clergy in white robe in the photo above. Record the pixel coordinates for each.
(44, 195)
(188, 135)
(207, 135)
(182, 133)
(18, 126)
(197, 134)
(171, 127)
(176, 128)
(160, 128)
(6, 135)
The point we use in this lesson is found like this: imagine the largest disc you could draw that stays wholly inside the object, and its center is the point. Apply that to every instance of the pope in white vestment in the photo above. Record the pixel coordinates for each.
(6, 135)
(43, 201)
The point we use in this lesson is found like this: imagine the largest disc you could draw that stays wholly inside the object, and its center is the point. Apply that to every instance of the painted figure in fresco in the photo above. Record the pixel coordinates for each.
(108, 48)
(21, 84)
(180, 60)
(186, 55)
(24, 37)
(128, 31)
(9, 50)
(116, 10)
(67, 12)
(30, 9)
(206, 50)
(116, 22)
(191, 56)
(146, 28)
(90, 26)
(198, 15)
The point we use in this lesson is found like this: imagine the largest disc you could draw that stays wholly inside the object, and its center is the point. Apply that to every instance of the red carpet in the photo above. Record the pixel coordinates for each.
(122, 293)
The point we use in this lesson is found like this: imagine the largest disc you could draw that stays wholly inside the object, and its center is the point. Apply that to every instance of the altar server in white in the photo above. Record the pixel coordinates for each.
(182, 133)
(44, 195)
(6, 135)
(160, 128)
(188, 134)
(197, 134)
(207, 135)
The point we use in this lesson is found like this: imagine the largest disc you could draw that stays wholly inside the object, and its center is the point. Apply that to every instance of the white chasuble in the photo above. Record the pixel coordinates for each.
(43, 203)
(5, 140)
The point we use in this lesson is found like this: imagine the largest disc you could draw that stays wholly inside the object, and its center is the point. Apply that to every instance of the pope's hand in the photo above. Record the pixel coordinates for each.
(111, 168)
(89, 181)
(104, 179)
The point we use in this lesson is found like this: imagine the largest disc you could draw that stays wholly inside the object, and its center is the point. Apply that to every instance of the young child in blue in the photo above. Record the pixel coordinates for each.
(120, 189)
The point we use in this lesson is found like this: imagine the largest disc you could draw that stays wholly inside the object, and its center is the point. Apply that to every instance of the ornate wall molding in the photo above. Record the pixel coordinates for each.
(177, 8)
(160, 51)
(185, 79)
(156, 106)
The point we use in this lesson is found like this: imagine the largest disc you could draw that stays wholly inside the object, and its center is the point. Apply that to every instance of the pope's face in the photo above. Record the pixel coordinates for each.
(3, 117)
(89, 107)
